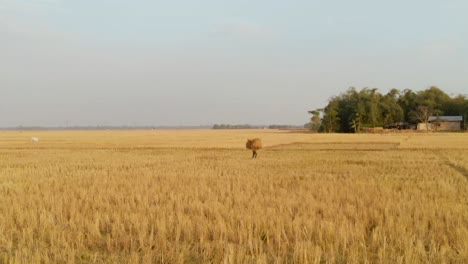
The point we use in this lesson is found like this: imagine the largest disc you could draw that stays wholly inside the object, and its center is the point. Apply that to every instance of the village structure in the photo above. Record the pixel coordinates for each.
(442, 123)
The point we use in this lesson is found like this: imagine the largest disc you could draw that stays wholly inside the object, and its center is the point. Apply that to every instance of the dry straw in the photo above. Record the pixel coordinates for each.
(254, 145)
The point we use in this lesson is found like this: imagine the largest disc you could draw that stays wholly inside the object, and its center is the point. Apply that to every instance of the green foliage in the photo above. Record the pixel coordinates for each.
(353, 110)
(315, 120)
(391, 111)
(330, 120)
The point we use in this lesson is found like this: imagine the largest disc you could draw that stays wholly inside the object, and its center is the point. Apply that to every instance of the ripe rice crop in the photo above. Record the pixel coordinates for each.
(196, 196)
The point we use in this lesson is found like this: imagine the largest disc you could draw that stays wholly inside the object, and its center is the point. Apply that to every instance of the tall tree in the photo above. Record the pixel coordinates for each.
(433, 99)
(407, 102)
(391, 110)
(373, 109)
(330, 121)
(422, 114)
(351, 111)
(315, 120)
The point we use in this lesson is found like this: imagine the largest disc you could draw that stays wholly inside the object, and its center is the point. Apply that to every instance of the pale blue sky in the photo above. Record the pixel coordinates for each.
(115, 62)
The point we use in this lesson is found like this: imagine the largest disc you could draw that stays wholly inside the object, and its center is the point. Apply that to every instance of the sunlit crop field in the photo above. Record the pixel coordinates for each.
(197, 197)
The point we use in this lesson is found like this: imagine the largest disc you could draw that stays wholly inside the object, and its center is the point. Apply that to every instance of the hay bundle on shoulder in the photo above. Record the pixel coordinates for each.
(254, 145)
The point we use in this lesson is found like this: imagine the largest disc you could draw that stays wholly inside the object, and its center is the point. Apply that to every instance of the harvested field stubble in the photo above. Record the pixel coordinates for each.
(197, 196)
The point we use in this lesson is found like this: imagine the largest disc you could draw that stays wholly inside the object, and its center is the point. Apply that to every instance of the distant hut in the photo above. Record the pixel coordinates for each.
(254, 145)
(442, 123)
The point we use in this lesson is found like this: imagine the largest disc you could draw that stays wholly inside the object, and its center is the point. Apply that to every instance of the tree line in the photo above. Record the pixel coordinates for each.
(246, 126)
(353, 110)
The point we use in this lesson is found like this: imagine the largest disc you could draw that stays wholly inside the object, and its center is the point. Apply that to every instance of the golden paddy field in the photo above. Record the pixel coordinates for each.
(197, 197)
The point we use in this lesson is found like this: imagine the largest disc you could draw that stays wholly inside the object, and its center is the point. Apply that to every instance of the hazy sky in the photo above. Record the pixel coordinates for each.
(115, 62)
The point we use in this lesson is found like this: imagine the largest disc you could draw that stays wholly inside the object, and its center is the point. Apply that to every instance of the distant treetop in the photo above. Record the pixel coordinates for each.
(353, 110)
